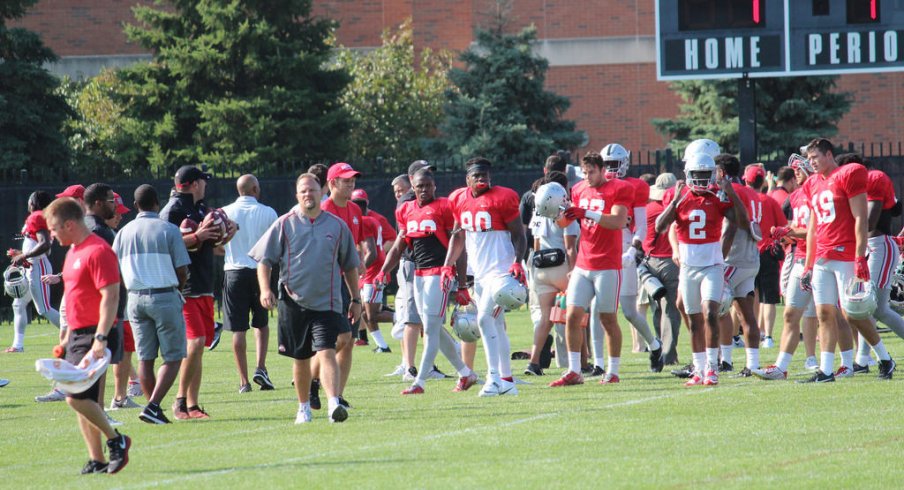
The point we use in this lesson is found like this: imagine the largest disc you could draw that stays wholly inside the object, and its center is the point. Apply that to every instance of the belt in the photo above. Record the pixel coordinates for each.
(148, 292)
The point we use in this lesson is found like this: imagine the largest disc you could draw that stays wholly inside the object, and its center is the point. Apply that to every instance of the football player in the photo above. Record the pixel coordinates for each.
(371, 292)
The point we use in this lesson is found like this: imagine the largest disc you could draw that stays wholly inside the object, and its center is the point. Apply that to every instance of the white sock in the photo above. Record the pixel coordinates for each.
(574, 362)
(881, 353)
(847, 358)
(304, 405)
(827, 362)
(378, 338)
(753, 358)
(726, 352)
(783, 361)
(332, 403)
(599, 361)
(699, 362)
(655, 345)
(613, 364)
(712, 357)
(862, 352)
(464, 372)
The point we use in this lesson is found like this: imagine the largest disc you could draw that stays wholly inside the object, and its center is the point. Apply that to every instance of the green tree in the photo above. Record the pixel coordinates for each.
(31, 111)
(789, 113)
(499, 107)
(395, 99)
(235, 84)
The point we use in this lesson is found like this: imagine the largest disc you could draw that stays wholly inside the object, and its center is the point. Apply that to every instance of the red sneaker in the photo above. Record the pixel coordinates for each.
(413, 390)
(695, 380)
(568, 379)
(179, 412)
(465, 382)
(198, 413)
(360, 342)
(711, 378)
(609, 379)
(844, 372)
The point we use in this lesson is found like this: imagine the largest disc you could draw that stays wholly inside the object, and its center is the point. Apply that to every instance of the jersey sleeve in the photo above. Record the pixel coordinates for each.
(389, 233)
(667, 196)
(511, 206)
(641, 194)
(854, 181)
(104, 267)
(34, 223)
(778, 215)
(369, 227)
(624, 196)
(454, 199)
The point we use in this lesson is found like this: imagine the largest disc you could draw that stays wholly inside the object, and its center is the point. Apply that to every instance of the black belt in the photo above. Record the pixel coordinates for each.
(148, 292)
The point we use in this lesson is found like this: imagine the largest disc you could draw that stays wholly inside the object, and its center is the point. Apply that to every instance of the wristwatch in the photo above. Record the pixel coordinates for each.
(356, 300)
(100, 337)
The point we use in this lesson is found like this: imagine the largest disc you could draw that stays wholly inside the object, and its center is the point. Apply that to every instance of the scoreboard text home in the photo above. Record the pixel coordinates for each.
(767, 38)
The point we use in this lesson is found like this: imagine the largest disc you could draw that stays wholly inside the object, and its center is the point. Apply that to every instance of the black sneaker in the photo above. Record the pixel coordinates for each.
(263, 379)
(656, 360)
(339, 414)
(119, 452)
(343, 402)
(217, 332)
(886, 368)
(596, 371)
(725, 367)
(587, 369)
(533, 370)
(153, 414)
(858, 369)
(744, 373)
(685, 372)
(315, 394)
(382, 350)
(520, 355)
(820, 377)
(94, 467)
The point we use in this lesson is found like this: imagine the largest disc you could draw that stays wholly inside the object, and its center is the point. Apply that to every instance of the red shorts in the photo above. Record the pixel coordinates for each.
(198, 313)
(128, 340)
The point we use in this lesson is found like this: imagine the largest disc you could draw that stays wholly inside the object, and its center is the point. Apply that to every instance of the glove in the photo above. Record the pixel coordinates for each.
(380, 279)
(447, 276)
(518, 272)
(59, 351)
(806, 280)
(574, 213)
(861, 268)
(463, 297)
(779, 232)
(629, 257)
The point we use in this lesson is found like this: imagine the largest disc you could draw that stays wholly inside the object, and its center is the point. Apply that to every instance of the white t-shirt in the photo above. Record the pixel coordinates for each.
(550, 234)
(253, 219)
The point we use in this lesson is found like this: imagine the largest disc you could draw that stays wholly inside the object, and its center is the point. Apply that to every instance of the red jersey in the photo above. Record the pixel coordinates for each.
(89, 266)
(34, 223)
(699, 217)
(601, 248)
(428, 228)
(779, 195)
(828, 198)
(800, 218)
(880, 188)
(641, 197)
(350, 214)
(485, 218)
(652, 245)
(387, 231)
(769, 214)
(371, 229)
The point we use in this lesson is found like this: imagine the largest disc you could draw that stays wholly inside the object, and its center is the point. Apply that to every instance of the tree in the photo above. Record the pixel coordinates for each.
(395, 99)
(789, 113)
(499, 108)
(31, 112)
(235, 84)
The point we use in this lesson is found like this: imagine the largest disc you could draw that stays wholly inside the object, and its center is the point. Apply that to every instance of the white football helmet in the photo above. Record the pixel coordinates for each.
(798, 162)
(727, 299)
(859, 299)
(550, 200)
(617, 159)
(896, 297)
(705, 146)
(700, 171)
(509, 293)
(464, 323)
(14, 282)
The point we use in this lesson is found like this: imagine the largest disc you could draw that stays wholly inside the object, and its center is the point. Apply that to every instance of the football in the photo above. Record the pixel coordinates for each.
(218, 218)
(187, 227)
(227, 226)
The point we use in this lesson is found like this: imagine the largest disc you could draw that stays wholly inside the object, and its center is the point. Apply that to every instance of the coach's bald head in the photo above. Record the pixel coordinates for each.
(247, 185)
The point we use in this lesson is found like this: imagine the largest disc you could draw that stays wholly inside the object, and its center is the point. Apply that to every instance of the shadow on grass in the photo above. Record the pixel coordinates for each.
(293, 464)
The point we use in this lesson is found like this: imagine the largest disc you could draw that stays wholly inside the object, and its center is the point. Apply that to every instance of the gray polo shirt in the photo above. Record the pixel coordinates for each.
(150, 250)
(311, 257)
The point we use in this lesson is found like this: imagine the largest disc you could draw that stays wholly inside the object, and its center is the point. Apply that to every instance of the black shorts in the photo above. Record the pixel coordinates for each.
(346, 303)
(241, 299)
(80, 342)
(303, 332)
(767, 279)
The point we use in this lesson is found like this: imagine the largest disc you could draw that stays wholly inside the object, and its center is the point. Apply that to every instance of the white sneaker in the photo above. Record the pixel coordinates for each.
(304, 415)
(124, 403)
(768, 343)
(770, 373)
(135, 389)
(811, 364)
(111, 420)
(490, 388)
(437, 374)
(399, 371)
(410, 374)
(55, 395)
(508, 388)
(737, 342)
(497, 388)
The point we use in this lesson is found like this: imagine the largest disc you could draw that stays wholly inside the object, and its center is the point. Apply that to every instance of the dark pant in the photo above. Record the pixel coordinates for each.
(666, 318)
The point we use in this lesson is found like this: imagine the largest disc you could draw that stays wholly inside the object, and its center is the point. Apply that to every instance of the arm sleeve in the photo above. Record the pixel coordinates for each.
(105, 268)
(640, 223)
(856, 181)
(268, 248)
(178, 252)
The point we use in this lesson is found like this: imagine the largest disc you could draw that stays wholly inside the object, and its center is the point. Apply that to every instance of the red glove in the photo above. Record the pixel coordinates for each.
(806, 280)
(447, 276)
(779, 232)
(380, 279)
(518, 272)
(59, 351)
(861, 268)
(463, 297)
(575, 213)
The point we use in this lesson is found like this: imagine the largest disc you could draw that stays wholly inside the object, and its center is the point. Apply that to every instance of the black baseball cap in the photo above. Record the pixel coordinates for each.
(417, 166)
(188, 174)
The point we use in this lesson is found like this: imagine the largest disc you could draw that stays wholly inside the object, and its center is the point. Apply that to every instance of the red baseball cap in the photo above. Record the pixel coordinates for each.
(752, 172)
(341, 171)
(359, 195)
(120, 207)
(77, 191)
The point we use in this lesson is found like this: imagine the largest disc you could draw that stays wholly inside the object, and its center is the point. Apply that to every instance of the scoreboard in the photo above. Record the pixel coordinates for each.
(768, 38)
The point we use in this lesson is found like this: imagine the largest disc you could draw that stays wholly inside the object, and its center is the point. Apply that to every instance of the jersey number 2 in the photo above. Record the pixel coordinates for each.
(697, 228)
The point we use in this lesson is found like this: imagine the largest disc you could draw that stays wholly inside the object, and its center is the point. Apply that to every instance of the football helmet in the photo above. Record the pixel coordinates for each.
(464, 323)
(617, 160)
(859, 299)
(700, 170)
(896, 296)
(705, 146)
(509, 293)
(14, 282)
(550, 200)
(798, 162)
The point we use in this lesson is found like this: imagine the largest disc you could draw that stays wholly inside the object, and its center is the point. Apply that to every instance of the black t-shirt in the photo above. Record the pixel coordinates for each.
(99, 227)
(428, 252)
(200, 278)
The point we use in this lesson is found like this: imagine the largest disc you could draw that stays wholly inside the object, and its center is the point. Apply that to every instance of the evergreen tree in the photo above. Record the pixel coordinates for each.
(31, 112)
(789, 113)
(236, 84)
(499, 108)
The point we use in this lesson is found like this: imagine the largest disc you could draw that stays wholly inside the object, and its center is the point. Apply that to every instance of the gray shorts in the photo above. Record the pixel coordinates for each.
(157, 324)
(406, 308)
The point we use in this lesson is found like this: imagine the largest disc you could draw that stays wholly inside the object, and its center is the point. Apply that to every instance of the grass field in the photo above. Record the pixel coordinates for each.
(649, 431)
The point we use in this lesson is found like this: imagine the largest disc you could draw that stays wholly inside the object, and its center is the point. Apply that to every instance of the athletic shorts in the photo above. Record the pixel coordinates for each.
(549, 279)
(158, 324)
(371, 294)
(829, 279)
(797, 297)
(198, 313)
(241, 299)
(128, 338)
(699, 284)
(883, 259)
(786, 270)
(346, 303)
(604, 286)
(767, 280)
(406, 308)
(430, 298)
(80, 342)
(740, 279)
(303, 332)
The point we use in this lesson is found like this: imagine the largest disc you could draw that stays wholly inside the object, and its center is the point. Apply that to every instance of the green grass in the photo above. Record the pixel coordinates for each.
(649, 431)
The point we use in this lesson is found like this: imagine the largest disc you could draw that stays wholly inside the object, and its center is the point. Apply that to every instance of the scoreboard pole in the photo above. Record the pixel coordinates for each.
(747, 119)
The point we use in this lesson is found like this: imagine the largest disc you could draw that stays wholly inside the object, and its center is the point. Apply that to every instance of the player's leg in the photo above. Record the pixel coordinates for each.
(578, 298)
(825, 296)
(607, 287)
(40, 292)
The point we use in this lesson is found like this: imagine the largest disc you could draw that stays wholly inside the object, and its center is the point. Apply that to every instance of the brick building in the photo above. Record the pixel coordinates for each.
(602, 56)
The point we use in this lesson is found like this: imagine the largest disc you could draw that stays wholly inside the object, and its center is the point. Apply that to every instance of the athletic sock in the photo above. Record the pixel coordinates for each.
(613, 364)
(881, 353)
(847, 358)
(862, 352)
(510, 379)
(656, 344)
(699, 362)
(599, 361)
(304, 405)
(726, 352)
(332, 402)
(378, 338)
(712, 357)
(753, 358)
(827, 362)
(574, 362)
(783, 361)
(464, 372)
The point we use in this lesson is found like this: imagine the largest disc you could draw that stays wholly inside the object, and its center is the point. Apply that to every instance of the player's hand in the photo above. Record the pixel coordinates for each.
(268, 299)
(447, 276)
(19, 260)
(517, 271)
(575, 212)
(724, 184)
(59, 351)
(806, 280)
(354, 312)
(629, 257)
(770, 179)
(463, 297)
(861, 268)
(380, 280)
(679, 186)
(97, 350)
(51, 279)
(207, 231)
(779, 232)
(676, 258)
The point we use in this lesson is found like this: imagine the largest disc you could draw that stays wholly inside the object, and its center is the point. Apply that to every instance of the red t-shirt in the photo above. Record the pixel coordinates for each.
(769, 214)
(34, 223)
(371, 229)
(641, 197)
(601, 248)
(879, 187)
(699, 216)
(387, 231)
(779, 195)
(661, 247)
(800, 218)
(89, 266)
(351, 214)
(828, 198)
